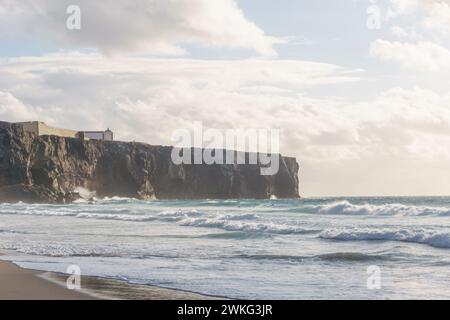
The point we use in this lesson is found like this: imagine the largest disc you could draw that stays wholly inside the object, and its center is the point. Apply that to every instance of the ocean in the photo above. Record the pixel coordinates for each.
(319, 248)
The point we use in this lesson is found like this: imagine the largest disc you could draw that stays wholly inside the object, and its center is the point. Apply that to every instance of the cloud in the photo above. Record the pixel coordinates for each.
(439, 18)
(138, 27)
(13, 109)
(402, 7)
(424, 29)
(135, 95)
(399, 32)
(406, 7)
(146, 99)
(437, 13)
(421, 56)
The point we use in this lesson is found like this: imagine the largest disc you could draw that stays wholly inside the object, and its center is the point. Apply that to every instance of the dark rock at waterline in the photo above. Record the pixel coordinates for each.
(49, 168)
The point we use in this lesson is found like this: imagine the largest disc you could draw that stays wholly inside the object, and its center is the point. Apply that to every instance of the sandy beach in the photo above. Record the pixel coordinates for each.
(22, 284)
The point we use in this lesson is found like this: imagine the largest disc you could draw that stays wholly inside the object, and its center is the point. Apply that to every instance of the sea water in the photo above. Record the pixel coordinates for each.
(276, 249)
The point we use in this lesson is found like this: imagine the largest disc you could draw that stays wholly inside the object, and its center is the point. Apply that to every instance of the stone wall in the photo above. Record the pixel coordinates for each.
(42, 129)
(5, 125)
(45, 130)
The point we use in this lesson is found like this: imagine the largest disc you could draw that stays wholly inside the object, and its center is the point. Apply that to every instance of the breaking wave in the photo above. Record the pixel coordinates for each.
(428, 237)
(247, 222)
(53, 250)
(347, 208)
(120, 217)
(236, 235)
(230, 225)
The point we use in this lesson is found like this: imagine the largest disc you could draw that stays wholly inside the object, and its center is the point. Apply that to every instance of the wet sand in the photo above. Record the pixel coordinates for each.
(23, 284)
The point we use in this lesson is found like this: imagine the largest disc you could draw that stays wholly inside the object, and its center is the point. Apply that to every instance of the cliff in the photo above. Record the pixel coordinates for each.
(49, 168)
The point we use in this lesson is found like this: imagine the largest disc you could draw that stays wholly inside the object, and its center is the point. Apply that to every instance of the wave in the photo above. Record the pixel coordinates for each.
(120, 214)
(52, 250)
(84, 215)
(120, 217)
(347, 208)
(107, 200)
(245, 222)
(116, 199)
(421, 236)
(14, 231)
(178, 215)
(248, 216)
(329, 257)
(245, 226)
(237, 235)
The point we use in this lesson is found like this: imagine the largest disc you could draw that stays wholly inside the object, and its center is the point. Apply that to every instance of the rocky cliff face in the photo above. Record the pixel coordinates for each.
(50, 168)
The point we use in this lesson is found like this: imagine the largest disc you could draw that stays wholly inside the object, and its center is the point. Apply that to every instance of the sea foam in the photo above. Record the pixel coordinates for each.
(245, 226)
(345, 207)
(429, 237)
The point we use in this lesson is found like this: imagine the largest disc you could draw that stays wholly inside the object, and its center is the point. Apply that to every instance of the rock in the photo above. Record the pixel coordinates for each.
(49, 168)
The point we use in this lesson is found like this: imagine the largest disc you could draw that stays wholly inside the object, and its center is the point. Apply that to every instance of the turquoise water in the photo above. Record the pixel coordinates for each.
(274, 249)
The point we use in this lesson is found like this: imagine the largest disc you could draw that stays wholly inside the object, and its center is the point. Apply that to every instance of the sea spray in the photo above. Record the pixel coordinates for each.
(84, 193)
(346, 207)
(422, 236)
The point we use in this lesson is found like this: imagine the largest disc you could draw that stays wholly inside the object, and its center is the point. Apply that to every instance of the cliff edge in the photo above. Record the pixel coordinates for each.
(49, 169)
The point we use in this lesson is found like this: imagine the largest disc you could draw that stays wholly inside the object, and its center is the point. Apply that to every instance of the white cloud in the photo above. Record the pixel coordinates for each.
(402, 7)
(439, 18)
(423, 29)
(13, 109)
(223, 93)
(399, 32)
(134, 95)
(145, 26)
(421, 56)
(437, 13)
(146, 99)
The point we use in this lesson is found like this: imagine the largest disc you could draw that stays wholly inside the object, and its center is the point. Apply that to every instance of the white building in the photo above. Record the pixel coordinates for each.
(107, 135)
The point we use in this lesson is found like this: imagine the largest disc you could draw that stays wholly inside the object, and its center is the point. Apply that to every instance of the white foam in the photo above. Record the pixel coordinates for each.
(423, 236)
(54, 250)
(180, 213)
(111, 216)
(345, 207)
(84, 193)
(108, 214)
(232, 225)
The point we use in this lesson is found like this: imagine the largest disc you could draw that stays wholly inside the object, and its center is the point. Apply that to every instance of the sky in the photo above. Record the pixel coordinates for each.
(358, 88)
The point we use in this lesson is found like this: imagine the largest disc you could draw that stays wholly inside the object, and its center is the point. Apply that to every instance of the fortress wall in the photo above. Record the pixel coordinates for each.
(5, 125)
(32, 127)
(43, 129)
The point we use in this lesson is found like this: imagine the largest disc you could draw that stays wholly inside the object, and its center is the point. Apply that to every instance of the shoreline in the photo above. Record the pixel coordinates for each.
(17, 283)
(24, 284)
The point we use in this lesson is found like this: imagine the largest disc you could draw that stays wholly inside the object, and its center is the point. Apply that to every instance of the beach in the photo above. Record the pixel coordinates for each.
(25, 284)
(21, 284)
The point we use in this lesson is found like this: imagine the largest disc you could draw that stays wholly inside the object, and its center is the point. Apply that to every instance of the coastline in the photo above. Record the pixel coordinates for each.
(18, 283)
(23, 284)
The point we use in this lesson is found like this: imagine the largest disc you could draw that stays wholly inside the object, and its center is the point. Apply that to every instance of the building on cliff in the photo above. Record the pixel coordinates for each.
(47, 169)
(41, 129)
(106, 135)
